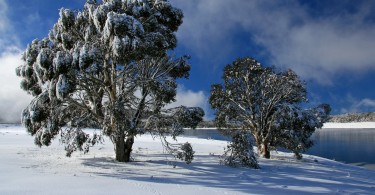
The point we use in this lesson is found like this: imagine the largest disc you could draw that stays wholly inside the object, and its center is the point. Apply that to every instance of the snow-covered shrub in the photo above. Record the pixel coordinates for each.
(187, 153)
(239, 152)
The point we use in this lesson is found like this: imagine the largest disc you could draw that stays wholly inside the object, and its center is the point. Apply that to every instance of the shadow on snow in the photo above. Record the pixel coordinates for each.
(284, 176)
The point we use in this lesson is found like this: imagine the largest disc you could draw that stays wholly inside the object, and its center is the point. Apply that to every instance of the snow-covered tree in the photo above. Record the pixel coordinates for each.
(107, 65)
(268, 104)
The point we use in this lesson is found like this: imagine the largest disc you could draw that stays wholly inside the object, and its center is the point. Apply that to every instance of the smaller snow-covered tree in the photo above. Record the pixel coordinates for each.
(267, 104)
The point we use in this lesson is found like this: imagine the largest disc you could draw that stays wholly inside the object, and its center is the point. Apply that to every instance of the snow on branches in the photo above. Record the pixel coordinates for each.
(266, 103)
(91, 67)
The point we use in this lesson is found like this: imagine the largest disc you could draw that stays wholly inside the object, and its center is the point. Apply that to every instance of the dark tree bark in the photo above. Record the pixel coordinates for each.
(265, 151)
(128, 149)
(120, 148)
(123, 148)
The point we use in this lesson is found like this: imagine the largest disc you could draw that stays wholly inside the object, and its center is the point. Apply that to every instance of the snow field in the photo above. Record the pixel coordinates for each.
(356, 125)
(27, 169)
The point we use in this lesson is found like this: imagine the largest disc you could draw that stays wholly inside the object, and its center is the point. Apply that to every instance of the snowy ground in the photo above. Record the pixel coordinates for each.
(27, 169)
(357, 125)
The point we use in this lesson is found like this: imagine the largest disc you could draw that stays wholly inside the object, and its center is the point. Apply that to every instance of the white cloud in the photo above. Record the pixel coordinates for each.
(189, 98)
(4, 23)
(321, 49)
(33, 18)
(3, 16)
(13, 99)
(8, 39)
(315, 47)
(358, 105)
(206, 29)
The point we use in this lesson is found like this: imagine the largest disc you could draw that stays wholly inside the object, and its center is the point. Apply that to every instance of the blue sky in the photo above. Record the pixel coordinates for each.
(330, 44)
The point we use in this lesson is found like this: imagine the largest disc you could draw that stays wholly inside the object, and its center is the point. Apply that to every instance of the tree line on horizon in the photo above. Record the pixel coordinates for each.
(340, 118)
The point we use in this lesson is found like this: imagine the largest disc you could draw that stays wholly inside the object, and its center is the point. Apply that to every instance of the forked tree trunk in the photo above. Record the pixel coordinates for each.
(263, 149)
(123, 148)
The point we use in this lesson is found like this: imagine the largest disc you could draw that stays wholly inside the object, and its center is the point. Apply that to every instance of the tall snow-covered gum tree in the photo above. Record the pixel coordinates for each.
(267, 104)
(107, 66)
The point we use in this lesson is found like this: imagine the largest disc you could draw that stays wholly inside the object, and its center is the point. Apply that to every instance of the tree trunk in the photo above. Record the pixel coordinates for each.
(263, 149)
(258, 143)
(128, 148)
(265, 152)
(123, 148)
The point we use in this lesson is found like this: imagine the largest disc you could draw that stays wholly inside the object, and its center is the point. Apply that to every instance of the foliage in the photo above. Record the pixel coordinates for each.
(187, 153)
(107, 66)
(266, 103)
(240, 151)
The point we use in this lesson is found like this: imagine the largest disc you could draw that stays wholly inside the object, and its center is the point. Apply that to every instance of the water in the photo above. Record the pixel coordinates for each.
(351, 146)
(206, 134)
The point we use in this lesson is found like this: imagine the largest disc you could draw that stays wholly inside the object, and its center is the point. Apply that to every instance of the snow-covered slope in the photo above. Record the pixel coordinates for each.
(27, 169)
(352, 125)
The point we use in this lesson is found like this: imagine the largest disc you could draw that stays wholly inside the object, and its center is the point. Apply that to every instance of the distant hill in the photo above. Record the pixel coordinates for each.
(353, 117)
(343, 118)
(206, 124)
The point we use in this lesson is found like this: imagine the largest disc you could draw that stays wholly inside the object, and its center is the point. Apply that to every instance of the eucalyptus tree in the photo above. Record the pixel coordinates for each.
(107, 65)
(266, 104)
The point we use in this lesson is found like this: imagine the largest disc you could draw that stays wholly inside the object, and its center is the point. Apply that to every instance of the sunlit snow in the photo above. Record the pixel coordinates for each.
(27, 169)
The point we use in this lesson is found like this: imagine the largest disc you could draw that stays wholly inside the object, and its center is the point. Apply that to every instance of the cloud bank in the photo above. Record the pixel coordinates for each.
(8, 38)
(355, 105)
(317, 46)
(189, 98)
(3, 11)
(13, 99)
